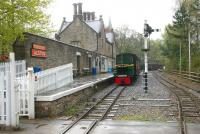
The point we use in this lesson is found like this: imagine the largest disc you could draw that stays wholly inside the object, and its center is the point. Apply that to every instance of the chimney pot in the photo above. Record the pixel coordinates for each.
(84, 16)
(79, 8)
(75, 8)
(88, 15)
(100, 17)
(93, 15)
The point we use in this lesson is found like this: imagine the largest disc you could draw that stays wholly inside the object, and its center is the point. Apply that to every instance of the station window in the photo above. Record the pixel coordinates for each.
(75, 43)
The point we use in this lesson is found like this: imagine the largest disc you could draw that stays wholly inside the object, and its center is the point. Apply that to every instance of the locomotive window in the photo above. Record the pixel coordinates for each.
(121, 71)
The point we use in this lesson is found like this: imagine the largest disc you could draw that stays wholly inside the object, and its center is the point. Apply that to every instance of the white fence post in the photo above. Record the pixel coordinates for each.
(13, 105)
(31, 101)
(56, 79)
(8, 105)
(71, 73)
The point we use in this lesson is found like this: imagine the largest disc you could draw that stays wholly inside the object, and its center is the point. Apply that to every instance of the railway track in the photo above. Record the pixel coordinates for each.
(94, 114)
(188, 104)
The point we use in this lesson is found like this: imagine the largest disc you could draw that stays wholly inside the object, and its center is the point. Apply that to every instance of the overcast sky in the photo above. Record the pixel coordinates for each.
(158, 13)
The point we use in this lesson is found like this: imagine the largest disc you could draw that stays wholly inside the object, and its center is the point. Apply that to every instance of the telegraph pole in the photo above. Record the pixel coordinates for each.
(147, 31)
(180, 58)
(189, 45)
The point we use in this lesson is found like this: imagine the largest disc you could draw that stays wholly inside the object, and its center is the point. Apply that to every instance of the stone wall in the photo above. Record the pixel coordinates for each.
(80, 31)
(88, 38)
(58, 53)
(57, 107)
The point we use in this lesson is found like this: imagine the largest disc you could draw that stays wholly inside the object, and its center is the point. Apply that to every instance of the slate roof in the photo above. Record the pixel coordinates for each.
(110, 37)
(95, 25)
(63, 26)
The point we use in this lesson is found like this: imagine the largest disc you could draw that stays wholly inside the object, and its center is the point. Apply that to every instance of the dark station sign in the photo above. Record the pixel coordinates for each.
(38, 51)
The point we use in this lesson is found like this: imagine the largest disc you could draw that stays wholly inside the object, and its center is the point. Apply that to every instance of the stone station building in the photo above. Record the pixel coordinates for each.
(85, 42)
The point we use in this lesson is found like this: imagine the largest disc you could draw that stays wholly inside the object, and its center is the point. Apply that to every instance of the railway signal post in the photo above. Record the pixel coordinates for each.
(147, 31)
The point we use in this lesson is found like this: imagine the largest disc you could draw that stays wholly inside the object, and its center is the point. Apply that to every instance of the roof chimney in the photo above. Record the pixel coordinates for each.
(84, 16)
(80, 11)
(100, 17)
(75, 8)
(93, 15)
(88, 15)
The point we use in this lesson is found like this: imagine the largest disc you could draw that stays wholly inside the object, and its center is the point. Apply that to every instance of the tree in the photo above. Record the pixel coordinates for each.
(19, 16)
(185, 21)
(155, 53)
(128, 40)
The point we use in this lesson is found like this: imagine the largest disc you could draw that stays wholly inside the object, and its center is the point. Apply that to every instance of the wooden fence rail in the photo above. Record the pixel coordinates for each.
(193, 76)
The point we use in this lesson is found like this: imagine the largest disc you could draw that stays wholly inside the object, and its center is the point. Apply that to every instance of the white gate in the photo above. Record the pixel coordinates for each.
(16, 92)
(4, 99)
(17, 88)
(25, 93)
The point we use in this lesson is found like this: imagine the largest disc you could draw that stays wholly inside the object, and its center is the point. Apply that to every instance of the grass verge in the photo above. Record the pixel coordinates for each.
(141, 118)
(71, 110)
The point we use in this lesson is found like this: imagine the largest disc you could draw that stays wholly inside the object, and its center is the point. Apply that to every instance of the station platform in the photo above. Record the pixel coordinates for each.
(54, 126)
(77, 85)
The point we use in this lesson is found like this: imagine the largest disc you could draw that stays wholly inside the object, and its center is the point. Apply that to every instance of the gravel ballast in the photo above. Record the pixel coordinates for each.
(159, 104)
(155, 105)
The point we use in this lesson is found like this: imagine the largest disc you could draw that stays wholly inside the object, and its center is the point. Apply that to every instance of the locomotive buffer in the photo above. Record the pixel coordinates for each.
(147, 31)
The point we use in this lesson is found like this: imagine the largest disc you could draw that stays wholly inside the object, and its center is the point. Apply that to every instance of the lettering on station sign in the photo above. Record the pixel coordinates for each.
(38, 51)
(39, 47)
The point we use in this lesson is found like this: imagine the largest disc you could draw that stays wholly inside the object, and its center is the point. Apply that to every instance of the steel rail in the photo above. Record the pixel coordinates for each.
(105, 113)
(188, 93)
(87, 112)
(182, 122)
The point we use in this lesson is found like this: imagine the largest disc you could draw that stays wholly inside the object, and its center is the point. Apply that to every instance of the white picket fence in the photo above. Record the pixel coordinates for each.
(16, 92)
(20, 68)
(53, 78)
(18, 87)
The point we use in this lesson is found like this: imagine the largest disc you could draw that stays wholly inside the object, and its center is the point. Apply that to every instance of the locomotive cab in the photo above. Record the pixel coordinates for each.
(126, 69)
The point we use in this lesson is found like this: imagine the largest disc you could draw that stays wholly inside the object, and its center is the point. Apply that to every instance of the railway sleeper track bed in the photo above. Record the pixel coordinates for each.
(188, 104)
(104, 108)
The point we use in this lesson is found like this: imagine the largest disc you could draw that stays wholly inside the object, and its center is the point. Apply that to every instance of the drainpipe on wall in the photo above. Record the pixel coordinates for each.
(97, 44)
(97, 49)
(112, 56)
